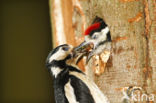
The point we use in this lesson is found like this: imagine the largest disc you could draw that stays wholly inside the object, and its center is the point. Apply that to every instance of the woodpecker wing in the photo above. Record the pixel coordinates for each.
(76, 91)
(81, 85)
(69, 93)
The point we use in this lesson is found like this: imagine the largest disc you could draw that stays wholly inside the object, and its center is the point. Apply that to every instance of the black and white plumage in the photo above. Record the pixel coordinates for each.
(99, 35)
(71, 85)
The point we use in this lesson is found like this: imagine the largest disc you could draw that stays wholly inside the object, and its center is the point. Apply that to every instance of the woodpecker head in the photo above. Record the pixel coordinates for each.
(98, 29)
(97, 34)
(61, 52)
(59, 56)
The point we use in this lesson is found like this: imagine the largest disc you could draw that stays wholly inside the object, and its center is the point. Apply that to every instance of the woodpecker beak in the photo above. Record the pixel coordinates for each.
(83, 49)
(90, 55)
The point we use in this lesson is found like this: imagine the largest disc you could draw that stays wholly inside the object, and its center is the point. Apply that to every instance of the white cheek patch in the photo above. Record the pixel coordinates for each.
(59, 55)
(96, 34)
(101, 36)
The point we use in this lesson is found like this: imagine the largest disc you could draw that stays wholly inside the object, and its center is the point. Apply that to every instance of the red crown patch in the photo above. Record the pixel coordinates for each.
(91, 28)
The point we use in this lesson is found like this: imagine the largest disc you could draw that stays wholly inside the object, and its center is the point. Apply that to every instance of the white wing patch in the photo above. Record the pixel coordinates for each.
(98, 96)
(69, 93)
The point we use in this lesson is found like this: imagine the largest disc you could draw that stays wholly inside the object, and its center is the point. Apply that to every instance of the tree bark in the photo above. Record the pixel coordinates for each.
(133, 30)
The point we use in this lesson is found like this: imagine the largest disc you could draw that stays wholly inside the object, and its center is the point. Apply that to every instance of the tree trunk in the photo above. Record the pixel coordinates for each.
(133, 30)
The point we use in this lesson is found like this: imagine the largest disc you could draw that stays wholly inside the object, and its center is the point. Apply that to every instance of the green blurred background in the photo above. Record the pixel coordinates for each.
(25, 39)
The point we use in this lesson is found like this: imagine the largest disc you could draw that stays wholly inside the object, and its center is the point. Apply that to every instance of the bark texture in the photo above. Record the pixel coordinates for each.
(133, 30)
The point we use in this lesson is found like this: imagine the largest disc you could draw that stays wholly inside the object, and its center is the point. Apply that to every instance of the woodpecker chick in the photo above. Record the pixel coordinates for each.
(99, 35)
(71, 85)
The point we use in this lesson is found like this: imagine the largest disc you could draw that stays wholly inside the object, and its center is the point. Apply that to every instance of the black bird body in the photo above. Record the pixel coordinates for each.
(71, 85)
(65, 80)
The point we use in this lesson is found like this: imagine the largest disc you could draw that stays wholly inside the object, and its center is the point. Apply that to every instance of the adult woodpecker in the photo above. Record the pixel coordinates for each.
(71, 85)
(99, 35)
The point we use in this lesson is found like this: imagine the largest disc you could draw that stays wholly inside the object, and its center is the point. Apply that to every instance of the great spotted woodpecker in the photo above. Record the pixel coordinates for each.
(71, 85)
(98, 34)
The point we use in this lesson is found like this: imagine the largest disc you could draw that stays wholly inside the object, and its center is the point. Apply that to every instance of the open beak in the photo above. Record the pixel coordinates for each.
(90, 55)
(83, 49)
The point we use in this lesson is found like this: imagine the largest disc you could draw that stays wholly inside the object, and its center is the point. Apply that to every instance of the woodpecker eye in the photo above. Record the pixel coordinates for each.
(65, 48)
(95, 36)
